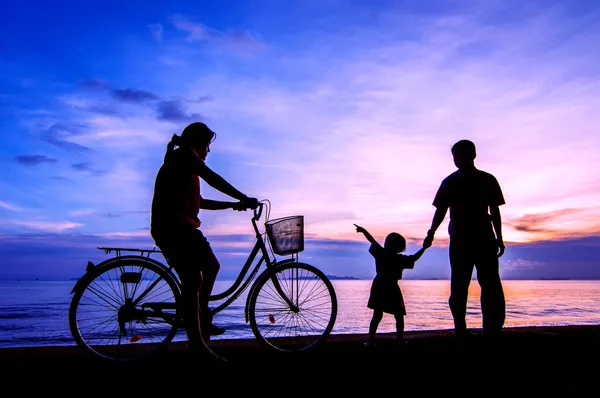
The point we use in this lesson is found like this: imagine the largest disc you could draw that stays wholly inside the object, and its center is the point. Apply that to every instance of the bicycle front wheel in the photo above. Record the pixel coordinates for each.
(125, 310)
(303, 321)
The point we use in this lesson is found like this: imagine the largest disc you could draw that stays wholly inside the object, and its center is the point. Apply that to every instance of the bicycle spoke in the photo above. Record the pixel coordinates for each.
(107, 320)
(309, 319)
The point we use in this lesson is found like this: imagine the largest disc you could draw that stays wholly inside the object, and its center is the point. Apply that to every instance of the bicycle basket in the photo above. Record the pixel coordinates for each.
(286, 234)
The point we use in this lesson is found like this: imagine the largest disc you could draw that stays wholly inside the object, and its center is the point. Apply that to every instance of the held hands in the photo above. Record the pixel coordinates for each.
(428, 241)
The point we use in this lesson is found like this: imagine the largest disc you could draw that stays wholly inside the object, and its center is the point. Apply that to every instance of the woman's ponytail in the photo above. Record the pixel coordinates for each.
(175, 140)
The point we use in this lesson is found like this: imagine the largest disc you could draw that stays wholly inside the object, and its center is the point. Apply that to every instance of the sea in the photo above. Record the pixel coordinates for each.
(35, 313)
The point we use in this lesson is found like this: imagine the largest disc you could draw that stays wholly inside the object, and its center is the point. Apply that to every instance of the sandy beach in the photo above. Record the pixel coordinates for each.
(532, 360)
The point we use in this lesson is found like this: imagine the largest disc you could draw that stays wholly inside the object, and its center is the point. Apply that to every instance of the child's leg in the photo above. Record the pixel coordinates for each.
(399, 326)
(377, 317)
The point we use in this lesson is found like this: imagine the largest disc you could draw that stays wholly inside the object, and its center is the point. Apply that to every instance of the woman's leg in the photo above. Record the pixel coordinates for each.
(190, 308)
(210, 271)
(181, 251)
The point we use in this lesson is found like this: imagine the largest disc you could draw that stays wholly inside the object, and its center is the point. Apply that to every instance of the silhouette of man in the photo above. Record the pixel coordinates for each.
(475, 238)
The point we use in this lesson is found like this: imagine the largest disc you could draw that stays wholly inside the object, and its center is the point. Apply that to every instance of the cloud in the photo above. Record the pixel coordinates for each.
(135, 234)
(8, 206)
(61, 136)
(134, 95)
(85, 167)
(82, 212)
(539, 222)
(195, 31)
(174, 111)
(34, 160)
(236, 41)
(90, 105)
(47, 226)
(170, 110)
(157, 31)
(94, 84)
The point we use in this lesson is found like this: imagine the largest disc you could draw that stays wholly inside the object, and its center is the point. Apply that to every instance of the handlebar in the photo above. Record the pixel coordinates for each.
(258, 211)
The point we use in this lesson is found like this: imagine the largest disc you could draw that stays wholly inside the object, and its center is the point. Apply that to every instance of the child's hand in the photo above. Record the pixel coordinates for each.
(360, 229)
(427, 243)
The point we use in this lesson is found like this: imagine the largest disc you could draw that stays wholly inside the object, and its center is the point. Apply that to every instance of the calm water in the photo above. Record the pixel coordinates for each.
(35, 313)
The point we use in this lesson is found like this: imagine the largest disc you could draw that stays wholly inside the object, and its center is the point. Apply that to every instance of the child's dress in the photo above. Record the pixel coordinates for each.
(385, 293)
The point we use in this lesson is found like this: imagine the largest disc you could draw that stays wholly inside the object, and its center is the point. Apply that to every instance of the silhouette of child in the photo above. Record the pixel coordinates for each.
(385, 295)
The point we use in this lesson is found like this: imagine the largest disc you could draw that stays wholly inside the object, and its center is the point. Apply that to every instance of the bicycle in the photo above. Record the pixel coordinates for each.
(125, 308)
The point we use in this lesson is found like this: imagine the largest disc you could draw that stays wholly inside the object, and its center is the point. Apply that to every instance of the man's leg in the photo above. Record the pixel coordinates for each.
(460, 279)
(399, 326)
(493, 304)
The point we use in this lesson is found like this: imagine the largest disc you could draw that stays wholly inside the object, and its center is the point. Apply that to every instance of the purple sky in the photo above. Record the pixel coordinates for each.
(342, 112)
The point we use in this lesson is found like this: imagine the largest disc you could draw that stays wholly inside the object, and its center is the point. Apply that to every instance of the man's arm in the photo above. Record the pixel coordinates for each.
(438, 218)
(497, 224)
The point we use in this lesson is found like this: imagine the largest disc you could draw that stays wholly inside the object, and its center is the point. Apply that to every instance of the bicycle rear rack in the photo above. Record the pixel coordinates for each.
(118, 250)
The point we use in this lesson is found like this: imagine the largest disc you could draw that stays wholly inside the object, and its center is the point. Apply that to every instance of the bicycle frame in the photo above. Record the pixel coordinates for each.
(235, 290)
(241, 283)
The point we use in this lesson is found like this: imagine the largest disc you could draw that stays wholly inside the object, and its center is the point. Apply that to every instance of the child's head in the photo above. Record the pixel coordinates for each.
(395, 242)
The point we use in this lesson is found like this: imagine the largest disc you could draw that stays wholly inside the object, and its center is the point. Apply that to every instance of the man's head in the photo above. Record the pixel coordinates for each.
(464, 154)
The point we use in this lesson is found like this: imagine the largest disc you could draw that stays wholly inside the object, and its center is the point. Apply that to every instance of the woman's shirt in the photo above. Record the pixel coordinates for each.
(176, 199)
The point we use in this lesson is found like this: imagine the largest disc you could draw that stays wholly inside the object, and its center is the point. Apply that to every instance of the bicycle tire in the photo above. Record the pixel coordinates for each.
(100, 299)
(283, 329)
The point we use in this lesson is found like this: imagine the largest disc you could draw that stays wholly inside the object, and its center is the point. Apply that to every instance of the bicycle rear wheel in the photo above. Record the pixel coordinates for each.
(301, 327)
(125, 310)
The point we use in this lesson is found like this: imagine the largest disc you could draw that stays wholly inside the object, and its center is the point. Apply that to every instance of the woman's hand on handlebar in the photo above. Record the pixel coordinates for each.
(243, 205)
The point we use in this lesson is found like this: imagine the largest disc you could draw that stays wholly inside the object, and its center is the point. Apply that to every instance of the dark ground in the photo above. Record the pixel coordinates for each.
(527, 361)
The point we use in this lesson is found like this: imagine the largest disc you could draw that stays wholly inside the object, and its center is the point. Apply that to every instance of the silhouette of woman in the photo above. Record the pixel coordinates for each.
(175, 227)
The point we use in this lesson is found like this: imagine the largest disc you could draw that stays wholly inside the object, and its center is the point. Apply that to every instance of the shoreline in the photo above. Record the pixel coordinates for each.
(536, 359)
(332, 278)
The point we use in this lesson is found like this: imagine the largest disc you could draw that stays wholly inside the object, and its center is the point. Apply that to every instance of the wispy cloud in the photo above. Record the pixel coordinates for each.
(157, 31)
(87, 168)
(133, 95)
(236, 41)
(8, 206)
(61, 136)
(175, 111)
(33, 160)
(82, 212)
(47, 226)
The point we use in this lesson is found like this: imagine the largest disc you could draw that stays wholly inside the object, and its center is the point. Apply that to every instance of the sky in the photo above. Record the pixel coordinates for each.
(341, 111)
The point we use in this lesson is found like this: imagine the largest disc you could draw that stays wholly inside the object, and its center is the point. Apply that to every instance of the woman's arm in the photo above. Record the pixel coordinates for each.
(208, 204)
(216, 181)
